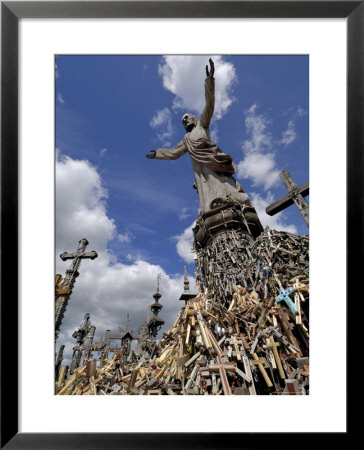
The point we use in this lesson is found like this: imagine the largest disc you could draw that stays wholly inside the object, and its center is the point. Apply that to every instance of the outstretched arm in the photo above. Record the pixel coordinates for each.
(208, 111)
(168, 153)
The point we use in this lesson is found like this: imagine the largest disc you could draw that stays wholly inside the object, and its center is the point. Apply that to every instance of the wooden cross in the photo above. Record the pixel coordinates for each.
(259, 362)
(295, 195)
(222, 368)
(287, 329)
(274, 345)
(237, 350)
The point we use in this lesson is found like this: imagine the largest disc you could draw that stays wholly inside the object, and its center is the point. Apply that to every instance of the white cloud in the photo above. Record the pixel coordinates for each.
(162, 120)
(289, 135)
(187, 212)
(185, 244)
(275, 222)
(103, 152)
(60, 98)
(105, 288)
(259, 161)
(184, 77)
(260, 168)
(214, 132)
(81, 205)
(126, 237)
(301, 112)
(256, 127)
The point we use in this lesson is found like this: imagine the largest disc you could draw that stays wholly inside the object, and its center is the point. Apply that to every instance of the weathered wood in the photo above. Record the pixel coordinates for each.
(194, 357)
(295, 195)
(259, 363)
(243, 375)
(274, 345)
(222, 368)
(214, 342)
(287, 200)
(292, 387)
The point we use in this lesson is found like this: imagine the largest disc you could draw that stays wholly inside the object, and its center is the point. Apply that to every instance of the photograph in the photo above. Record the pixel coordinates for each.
(158, 160)
(181, 224)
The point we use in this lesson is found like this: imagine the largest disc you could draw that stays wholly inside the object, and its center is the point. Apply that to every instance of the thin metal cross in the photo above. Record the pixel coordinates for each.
(295, 195)
(71, 275)
(78, 256)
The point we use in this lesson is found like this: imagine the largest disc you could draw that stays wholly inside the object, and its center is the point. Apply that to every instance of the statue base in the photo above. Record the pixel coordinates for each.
(224, 215)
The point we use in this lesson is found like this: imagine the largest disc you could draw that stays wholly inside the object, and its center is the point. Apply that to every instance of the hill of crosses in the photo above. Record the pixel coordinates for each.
(244, 332)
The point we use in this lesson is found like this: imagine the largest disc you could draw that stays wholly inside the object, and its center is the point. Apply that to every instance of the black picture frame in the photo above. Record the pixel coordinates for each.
(11, 12)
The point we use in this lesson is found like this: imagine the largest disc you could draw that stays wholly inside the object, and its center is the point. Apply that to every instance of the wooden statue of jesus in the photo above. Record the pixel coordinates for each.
(213, 168)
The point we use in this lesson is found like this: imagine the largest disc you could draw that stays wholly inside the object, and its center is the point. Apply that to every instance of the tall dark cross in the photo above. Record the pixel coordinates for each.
(84, 337)
(295, 195)
(71, 275)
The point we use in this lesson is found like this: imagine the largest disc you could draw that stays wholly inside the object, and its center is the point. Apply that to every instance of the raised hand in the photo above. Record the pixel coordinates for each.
(151, 154)
(210, 73)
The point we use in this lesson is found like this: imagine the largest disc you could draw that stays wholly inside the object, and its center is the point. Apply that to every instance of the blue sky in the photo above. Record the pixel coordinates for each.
(138, 213)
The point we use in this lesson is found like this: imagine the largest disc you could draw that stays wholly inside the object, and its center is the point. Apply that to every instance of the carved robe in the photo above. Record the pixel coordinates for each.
(213, 168)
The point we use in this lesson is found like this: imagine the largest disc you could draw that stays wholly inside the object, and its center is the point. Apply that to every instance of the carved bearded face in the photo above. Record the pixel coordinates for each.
(189, 121)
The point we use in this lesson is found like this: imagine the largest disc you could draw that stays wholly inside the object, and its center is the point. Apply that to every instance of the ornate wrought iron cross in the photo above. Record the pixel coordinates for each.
(71, 275)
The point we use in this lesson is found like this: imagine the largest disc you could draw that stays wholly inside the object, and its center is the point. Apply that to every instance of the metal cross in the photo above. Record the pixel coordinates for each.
(84, 337)
(77, 257)
(295, 195)
(71, 275)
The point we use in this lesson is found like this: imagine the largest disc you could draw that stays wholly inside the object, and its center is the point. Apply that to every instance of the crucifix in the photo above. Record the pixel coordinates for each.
(71, 275)
(222, 368)
(78, 256)
(284, 295)
(295, 195)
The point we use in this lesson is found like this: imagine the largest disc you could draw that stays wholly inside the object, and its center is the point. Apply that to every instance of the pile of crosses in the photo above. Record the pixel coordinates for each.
(251, 338)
